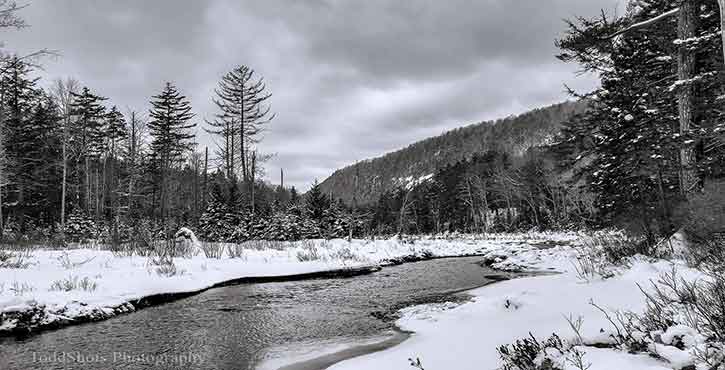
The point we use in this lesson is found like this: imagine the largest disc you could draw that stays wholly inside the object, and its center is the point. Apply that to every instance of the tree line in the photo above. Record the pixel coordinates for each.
(645, 150)
(647, 153)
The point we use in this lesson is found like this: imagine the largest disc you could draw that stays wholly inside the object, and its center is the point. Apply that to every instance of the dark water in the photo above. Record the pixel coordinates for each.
(237, 327)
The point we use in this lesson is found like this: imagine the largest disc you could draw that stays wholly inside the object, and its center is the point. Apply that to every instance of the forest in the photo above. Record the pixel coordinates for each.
(647, 153)
(643, 151)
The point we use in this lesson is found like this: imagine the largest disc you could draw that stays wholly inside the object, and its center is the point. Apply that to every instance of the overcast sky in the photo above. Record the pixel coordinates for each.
(351, 79)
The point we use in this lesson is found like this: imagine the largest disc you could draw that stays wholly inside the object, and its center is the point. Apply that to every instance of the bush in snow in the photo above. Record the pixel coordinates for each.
(19, 288)
(142, 237)
(74, 283)
(683, 323)
(163, 258)
(530, 354)
(308, 253)
(212, 250)
(551, 354)
(187, 244)
(236, 251)
(601, 254)
(17, 259)
(698, 304)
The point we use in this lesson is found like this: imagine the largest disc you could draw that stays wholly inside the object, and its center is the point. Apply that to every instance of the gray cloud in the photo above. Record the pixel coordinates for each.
(351, 79)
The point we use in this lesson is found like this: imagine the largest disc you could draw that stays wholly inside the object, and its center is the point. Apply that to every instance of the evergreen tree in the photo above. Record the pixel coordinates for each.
(316, 203)
(169, 128)
(293, 196)
(630, 143)
(115, 132)
(88, 134)
(241, 100)
(26, 120)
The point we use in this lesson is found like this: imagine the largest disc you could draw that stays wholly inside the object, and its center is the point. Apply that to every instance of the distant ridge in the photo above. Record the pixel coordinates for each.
(367, 179)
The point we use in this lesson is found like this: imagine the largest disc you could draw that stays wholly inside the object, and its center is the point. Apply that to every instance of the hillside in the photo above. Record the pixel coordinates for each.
(414, 163)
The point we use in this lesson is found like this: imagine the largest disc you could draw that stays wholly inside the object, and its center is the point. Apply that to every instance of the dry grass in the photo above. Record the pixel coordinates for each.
(236, 251)
(266, 244)
(18, 288)
(68, 264)
(212, 250)
(74, 283)
(17, 259)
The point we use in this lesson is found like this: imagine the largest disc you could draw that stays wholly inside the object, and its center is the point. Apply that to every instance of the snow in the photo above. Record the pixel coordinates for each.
(410, 182)
(504, 312)
(444, 335)
(120, 280)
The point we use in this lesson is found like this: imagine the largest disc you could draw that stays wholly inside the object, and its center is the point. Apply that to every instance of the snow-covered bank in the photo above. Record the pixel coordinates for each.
(64, 287)
(467, 336)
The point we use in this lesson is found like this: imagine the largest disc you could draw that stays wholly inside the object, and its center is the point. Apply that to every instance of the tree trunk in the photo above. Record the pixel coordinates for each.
(226, 151)
(1, 200)
(722, 25)
(252, 175)
(2, 227)
(206, 177)
(232, 170)
(63, 181)
(2, 160)
(98, 195)
(243, 153)
(686, 26)
(88, 185)
(195, 185)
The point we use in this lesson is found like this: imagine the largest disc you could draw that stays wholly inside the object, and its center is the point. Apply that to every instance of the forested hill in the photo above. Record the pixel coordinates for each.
(514, 135)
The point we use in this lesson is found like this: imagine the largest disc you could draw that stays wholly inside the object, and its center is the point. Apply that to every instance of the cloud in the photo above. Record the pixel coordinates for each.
(351, 79)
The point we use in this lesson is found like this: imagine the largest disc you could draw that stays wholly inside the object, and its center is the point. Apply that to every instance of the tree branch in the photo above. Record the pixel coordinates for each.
(644, 24)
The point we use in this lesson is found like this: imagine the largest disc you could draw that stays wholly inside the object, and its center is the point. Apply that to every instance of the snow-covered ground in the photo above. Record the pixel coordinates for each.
(81, 284)
(466, 336)
(61, 287)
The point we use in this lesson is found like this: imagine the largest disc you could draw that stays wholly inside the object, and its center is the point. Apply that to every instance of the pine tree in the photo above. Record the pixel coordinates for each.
(316, 203)
(169, 128)
(630, 143)
(241, 100)
(293, 196)
(115, 132)
(19, 101)
(89, 113)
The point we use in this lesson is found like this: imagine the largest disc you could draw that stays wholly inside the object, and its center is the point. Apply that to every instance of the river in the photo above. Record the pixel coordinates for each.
(253, 325)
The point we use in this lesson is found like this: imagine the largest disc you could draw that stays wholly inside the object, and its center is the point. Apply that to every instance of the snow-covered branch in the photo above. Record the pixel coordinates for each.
(644, 23)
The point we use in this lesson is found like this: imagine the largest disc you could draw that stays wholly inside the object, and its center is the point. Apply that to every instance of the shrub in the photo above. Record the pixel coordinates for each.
(19, 259)
(236, 250)
(69, 264)
(163, 258)
(591, 264)
(626, 332)
(141, 241)
(530, 354)
(212, 250)
(19, 289)
(308, 253)
(73, 283)
(697, 304)
(601, 253)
